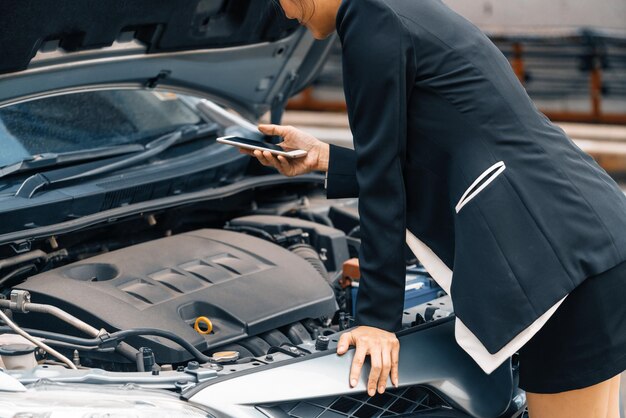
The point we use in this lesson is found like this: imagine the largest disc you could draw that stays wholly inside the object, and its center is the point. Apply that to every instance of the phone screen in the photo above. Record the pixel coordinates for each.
(255, 143)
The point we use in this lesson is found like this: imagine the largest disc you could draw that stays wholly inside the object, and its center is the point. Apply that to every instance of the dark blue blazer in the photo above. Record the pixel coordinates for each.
(449, 145)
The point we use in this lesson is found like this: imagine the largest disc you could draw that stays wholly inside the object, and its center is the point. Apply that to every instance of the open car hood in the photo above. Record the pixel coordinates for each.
(241, 53)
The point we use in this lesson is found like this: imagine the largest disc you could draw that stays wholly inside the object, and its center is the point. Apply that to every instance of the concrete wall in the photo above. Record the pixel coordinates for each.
(550, 14)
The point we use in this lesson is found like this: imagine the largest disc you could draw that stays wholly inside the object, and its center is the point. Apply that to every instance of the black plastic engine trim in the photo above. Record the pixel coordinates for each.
(157, 204)
(245, 285)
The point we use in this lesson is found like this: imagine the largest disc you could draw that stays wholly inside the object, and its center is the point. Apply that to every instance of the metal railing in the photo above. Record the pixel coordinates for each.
(583, 69)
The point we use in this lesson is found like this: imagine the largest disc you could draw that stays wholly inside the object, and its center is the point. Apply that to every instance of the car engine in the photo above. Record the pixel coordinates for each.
(242, 285)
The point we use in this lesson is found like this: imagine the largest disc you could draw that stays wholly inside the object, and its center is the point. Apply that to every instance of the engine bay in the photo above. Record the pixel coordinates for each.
(201, 290)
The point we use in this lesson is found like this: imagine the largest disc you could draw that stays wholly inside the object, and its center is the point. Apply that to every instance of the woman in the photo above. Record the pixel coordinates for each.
(451, 154)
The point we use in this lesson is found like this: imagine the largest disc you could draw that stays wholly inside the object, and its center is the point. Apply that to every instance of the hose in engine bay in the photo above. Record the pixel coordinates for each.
(311, 255)
(26, 306)
(11, 326)
(115, 337)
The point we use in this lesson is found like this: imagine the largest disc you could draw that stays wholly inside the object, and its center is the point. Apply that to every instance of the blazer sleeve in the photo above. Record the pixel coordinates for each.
(341, 175)
(378, 70)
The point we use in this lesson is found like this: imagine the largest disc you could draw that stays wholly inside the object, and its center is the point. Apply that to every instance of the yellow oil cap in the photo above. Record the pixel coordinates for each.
(208, 325)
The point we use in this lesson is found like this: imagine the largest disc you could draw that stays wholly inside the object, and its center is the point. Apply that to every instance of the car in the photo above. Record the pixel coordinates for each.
(147, 270)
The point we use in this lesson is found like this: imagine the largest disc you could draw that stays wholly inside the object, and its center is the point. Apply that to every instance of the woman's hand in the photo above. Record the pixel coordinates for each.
(316, 158)
(384, 350)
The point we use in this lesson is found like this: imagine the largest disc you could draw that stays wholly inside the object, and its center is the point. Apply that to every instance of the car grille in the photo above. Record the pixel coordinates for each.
(393, 403)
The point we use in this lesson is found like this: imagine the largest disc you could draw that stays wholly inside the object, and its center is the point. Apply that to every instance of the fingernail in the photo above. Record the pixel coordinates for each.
(381, 388)
(341, 347)
(353, 382)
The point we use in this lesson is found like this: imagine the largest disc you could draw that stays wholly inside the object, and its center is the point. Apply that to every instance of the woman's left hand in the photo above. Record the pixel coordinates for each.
(293, 138)
(382, 346)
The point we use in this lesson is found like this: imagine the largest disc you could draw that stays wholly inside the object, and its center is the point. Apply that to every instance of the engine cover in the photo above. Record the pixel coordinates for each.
(243, 284)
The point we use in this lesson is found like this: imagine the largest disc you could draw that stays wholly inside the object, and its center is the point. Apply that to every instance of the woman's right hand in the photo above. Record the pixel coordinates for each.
(381, 346)
(316, 158)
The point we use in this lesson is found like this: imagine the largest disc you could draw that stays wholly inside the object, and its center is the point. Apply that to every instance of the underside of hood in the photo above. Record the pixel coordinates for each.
(163, 26)
(244, 52)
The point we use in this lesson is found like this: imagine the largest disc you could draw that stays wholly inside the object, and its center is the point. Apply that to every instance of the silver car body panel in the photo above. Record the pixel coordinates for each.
(429, 356)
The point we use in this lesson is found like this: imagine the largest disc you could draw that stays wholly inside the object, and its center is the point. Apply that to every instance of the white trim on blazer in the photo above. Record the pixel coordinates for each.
(471, 192)
(464, 337)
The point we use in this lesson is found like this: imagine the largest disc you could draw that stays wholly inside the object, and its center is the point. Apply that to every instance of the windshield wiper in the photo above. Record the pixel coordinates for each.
(186, 133)
(50, 159)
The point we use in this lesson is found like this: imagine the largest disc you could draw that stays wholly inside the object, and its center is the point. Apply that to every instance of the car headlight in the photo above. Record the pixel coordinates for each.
(52, 400)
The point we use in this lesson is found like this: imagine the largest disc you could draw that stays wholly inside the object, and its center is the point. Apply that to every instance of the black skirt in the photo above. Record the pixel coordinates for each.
(584, 342)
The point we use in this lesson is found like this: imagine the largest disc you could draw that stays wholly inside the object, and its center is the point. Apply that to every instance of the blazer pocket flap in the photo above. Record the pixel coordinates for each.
(480, 183)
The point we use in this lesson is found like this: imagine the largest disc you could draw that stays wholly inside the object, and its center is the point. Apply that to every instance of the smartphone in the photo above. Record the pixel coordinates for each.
(263, 146)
